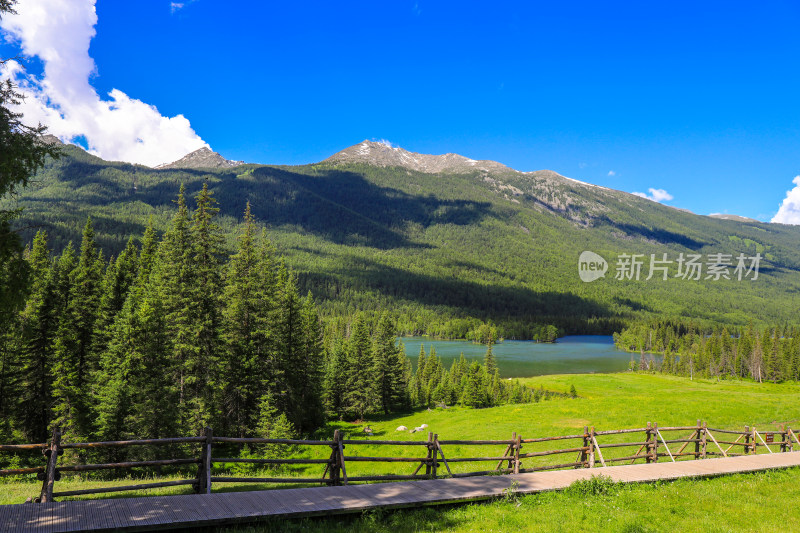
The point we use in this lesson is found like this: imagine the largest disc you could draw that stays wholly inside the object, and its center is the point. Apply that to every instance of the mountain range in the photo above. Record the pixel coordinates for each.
(441, 241)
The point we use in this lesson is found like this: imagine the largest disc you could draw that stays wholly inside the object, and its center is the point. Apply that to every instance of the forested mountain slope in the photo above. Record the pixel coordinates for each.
(442, 241)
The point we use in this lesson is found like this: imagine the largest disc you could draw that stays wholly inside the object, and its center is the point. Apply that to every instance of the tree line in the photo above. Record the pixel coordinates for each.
(763, 354)
(162, 339)
(173, 334)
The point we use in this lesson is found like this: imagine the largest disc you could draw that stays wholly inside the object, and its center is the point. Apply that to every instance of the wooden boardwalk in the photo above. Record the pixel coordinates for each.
(189, 511)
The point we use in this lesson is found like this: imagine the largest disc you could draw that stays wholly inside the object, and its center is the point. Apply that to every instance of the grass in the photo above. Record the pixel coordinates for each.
(606, 401)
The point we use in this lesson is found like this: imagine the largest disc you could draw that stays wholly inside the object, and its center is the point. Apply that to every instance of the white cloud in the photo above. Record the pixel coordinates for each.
(118, 128)
(388, 144)
(789, 211)
(612, 173)
(174, 7)
(656, 195)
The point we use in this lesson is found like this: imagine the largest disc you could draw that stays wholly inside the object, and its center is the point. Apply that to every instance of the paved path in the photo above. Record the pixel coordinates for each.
(166, 512)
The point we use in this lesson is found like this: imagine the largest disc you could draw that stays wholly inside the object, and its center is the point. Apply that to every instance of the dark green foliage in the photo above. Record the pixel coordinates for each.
(448, 254)
(22, 152)
(360, 393)
(772, 354)
(36, 338)
(170, 336)
(469, 384)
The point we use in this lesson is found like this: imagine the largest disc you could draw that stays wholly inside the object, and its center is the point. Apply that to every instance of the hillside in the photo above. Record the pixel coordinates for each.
(438, 239)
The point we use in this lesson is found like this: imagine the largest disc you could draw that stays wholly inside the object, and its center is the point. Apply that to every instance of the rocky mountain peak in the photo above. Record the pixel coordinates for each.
(737, 218)
(384, 154)
(202, 158)
(49, 139)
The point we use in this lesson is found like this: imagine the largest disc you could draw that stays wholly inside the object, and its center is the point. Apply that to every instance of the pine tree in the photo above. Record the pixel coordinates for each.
(335, 379)
(64, 367)
(385, 364)
(401, 377)
(308, 411)
(202, 389)
(119, 277)
(359, 394)
(773, 364)
(75, 359)
(151, 390)
(123, 349)
(173, 279)
(489, 360)
(37, 330)
(241, 372)
(474, 391)
(757, 360)
(418, 392)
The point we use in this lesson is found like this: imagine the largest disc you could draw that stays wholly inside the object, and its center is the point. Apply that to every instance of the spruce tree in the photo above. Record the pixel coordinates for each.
(489, 360)
(63, 369)
(76, 360)
(173, 279)
(201, 383)
(119, 277)
(37, 331)
(336, 379)
(359, 395)
(241, 373)
(387, 365)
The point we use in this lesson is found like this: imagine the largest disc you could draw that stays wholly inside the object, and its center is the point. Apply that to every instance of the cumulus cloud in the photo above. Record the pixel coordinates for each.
(612, 173)
(117, 128)
(789, 211)
(656, 195)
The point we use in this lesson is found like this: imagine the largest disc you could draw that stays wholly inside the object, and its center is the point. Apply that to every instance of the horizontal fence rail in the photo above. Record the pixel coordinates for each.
(590, 449)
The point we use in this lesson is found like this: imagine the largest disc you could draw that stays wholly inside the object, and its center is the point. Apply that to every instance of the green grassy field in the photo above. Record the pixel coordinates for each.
(605, 401)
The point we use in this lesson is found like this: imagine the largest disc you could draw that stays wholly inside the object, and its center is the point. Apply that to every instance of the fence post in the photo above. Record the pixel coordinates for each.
(512, 451)
(333, 462)
(585, 452)
(649, 445)
(434, 455)
(209, 434)
(754, 445)
(340, 449)
(705, 439)
(788, 438)
(203, 485)
(517, 448)
(747, 440)
(591, 448)
(428, 459)
(698, 438)
(51, 475)
(655, 442)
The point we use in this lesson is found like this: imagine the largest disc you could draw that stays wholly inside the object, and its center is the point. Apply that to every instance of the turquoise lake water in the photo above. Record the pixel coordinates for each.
(578, 354)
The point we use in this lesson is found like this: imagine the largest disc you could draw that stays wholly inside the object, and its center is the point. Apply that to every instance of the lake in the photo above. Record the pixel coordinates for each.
(577, 354)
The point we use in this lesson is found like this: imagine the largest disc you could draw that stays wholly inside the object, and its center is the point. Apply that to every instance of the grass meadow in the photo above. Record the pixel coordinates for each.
(749, 502)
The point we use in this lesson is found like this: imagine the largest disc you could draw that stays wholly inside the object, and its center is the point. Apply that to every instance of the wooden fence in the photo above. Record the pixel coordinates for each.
(588, 449)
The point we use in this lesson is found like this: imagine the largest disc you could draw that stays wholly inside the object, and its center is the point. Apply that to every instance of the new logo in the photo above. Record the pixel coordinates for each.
(591, 266)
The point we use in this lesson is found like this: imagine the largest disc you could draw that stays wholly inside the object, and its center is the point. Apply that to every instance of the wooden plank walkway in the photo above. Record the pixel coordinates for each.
(191, 511)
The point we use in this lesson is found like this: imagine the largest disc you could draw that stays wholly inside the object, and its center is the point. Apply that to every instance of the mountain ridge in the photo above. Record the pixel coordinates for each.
(440, 250)
(203, 157)
(385, 154)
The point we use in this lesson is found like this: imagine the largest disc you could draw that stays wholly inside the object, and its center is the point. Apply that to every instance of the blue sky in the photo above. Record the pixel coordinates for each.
(696, 98)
